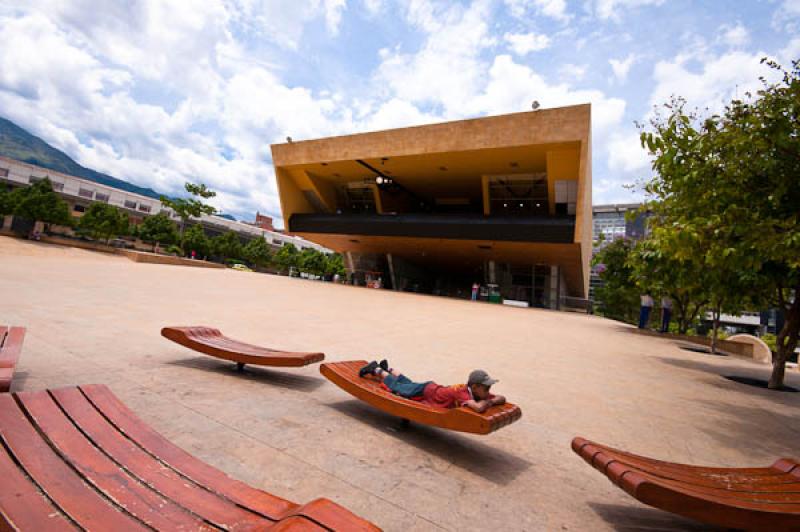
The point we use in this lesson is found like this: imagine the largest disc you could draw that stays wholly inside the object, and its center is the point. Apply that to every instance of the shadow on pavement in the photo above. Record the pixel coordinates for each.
(252, 373)
(638, 518)
(495, 465)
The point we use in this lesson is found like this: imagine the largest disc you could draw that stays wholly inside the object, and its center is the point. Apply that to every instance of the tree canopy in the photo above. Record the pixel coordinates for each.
(195, 239)
(726, 190)
(191, 207)
(287, 257)
(257, 252)
(104, 221)
(37, 202)
(227, 246)
(158, 229)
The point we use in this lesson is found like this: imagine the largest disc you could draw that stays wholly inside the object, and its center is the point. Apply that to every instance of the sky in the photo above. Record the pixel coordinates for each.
(160, 92)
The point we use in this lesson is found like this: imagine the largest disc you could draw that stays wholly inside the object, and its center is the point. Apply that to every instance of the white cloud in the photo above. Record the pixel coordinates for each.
(625, 153)
(447, 69)
(734, 36)
(787, 16)
(708, 81)
(572, 72)
(512, 87)
(612, 9)
(524, 43)
(556, 9)
(621, 67)
(373, 7)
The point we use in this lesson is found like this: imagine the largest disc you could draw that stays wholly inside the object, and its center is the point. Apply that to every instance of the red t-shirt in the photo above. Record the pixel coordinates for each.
(446, 396)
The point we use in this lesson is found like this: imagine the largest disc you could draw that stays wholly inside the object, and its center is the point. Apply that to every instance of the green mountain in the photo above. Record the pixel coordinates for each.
(16, 143)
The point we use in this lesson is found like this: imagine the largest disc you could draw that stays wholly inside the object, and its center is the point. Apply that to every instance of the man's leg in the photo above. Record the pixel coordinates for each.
(403, 386)
(641, 317)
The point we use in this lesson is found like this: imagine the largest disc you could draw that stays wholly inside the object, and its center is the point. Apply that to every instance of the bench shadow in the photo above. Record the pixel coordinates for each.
(636, 518)
(495, 465)
(19, 381)
(252, 373)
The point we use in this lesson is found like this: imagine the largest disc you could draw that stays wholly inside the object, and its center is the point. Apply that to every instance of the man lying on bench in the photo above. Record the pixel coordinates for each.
(475, 394)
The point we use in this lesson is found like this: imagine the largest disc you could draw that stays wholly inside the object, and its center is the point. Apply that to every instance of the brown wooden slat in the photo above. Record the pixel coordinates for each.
(149, 470)
(369, 390)
(61, 484)
(211, 342)
(297, 524)
(22, 506)
(104, 474)
(213, 479)
(10, 351)
(332, 516)
(756, 510)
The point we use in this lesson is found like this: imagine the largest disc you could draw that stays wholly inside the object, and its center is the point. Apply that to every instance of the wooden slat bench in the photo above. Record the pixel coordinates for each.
(78, 458)
(10, 348)
(212, 342)
(762, 498)
(369, 390)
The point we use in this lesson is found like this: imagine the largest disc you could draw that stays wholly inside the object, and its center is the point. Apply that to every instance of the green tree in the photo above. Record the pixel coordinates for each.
(312, 261)
(190, 207)
(227, 246)
(287, 257)
(6, 204)
(104, 221)
(618, 297)
(334, 264)
(730, 181)
(257, 252)
(654, 265)
(195, 239)
(158, 229)
(39, 202)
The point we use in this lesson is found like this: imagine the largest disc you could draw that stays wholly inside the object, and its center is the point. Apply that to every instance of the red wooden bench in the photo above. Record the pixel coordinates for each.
(369, 390)
(78, 458)
(10, 349)
(761, 498)
(212, 342)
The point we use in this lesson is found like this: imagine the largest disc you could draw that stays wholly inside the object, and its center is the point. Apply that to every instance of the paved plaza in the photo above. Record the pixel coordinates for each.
(95, 318)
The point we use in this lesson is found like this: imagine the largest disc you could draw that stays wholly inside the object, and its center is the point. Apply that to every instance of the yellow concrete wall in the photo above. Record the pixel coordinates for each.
(562, 165)
(563, 124)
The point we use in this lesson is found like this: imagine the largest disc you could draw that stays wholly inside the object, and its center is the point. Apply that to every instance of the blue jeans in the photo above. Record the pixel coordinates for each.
(644, 316)
(403, 386)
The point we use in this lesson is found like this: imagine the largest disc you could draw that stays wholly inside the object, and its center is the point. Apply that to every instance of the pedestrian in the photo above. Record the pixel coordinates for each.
(666, 313)
(194, 254)
(644, 311)
(475, 288)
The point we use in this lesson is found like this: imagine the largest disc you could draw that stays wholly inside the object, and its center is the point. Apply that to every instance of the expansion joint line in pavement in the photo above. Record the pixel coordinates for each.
(313, 466)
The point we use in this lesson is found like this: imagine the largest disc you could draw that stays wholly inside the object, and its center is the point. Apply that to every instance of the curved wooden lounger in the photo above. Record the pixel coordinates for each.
(10, 349)
(212, 342)
(762, 498)
(78, 457)
(369, 390)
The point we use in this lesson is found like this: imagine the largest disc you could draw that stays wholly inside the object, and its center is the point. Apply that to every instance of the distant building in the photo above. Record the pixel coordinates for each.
(610, 221)
(79, 193)
(264, 222)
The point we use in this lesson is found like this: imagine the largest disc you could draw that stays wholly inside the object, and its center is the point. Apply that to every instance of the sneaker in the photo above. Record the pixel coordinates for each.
(384, 364)
(369, 369)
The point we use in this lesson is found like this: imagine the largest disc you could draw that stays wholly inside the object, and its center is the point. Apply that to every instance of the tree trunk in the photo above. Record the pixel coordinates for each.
(786, 343)
(715, 314)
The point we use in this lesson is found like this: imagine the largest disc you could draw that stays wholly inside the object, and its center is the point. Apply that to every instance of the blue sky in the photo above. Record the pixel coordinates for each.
(160, 92)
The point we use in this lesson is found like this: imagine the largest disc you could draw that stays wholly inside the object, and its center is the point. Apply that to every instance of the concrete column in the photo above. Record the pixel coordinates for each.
(555, 285)
(492, 276)
(391, 272)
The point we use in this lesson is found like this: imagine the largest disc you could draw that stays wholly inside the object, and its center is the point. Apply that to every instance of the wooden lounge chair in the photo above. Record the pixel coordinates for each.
(79, 457)
(212, 342)
(369, 390)
(763, 498)
(10, 349)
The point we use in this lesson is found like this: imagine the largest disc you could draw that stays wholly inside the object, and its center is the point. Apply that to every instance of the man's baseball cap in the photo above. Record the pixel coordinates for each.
(481, 377)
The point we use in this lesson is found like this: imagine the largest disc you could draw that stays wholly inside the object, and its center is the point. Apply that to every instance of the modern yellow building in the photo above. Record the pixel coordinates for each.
(503, 201)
